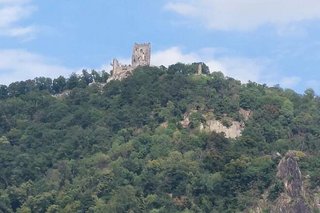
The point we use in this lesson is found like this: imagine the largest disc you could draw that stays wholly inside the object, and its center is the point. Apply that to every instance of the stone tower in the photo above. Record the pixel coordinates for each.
(199, 71)
(141, 55)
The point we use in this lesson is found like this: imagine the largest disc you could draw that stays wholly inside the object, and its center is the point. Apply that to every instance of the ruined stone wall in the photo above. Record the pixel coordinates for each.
(141, 55)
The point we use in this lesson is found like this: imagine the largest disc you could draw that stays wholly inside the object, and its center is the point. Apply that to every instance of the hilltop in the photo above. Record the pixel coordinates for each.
(160, 140)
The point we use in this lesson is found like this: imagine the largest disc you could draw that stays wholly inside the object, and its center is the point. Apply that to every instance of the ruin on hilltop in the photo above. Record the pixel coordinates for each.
(141, 55)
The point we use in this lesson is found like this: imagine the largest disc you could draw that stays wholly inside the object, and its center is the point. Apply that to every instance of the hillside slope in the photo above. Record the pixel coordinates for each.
(141, 144)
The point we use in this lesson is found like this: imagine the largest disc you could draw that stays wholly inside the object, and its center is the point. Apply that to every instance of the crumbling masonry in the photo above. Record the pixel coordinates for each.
(141, 55)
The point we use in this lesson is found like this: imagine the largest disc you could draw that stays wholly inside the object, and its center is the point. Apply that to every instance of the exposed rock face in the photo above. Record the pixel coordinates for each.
(232, 131)
(186, 121)
(63, 94)
(246, 114)
(293, 200)
(164, 125)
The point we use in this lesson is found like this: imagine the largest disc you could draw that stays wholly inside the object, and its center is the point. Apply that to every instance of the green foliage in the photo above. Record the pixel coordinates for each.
(276, 190)
(3, 91)
(72, 145)
(59, 84)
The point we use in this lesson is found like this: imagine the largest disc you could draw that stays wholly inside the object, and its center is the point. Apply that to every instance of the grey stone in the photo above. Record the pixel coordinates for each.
(141, 55)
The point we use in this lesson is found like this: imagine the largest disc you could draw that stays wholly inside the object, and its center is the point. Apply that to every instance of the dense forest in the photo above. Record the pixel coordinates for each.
(77, 144)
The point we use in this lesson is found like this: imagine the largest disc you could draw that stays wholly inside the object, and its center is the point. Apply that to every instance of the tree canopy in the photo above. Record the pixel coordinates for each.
(78, 144)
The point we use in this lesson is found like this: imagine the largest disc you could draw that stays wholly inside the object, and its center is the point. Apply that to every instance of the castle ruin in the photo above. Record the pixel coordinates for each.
(141, 55)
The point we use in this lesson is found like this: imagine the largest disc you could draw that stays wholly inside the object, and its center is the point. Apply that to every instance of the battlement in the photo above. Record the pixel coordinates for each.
(141, 55)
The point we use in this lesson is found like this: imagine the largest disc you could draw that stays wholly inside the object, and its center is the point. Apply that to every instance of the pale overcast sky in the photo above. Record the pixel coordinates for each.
(267, 41)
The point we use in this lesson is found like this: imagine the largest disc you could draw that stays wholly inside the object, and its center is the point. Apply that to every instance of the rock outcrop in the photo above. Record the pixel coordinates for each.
(293, 199)
(211, 124)
(233, 131)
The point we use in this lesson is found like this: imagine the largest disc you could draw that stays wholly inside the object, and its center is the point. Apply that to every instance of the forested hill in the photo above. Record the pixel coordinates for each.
(144, 144)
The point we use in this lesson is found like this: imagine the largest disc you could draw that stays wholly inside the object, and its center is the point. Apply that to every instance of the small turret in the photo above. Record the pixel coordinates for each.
(199, 71)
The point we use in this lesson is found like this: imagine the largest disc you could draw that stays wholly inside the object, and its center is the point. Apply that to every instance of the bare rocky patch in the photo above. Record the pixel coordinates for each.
(231, 128)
